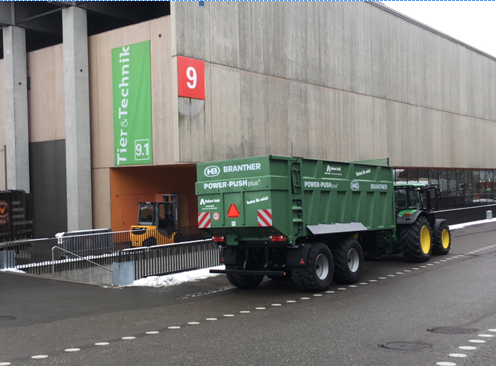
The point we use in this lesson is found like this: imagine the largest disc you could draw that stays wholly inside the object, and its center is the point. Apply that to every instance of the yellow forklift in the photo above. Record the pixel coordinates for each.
(157, 222)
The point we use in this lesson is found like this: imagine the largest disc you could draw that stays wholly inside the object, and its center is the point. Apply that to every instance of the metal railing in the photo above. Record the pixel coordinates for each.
(88, 256)
(171, 258)
(71, 261)
(31, 256)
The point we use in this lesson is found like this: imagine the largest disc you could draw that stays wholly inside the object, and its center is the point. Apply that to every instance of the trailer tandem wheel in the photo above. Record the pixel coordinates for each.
(316, 274)
(241, 280)
(348, 261)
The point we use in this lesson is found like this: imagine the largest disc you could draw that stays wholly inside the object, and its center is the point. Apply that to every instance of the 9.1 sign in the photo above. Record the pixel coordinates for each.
(191, 78)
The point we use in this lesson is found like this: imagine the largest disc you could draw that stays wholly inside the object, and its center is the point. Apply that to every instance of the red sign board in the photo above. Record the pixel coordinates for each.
(233, 211)
(191, 78)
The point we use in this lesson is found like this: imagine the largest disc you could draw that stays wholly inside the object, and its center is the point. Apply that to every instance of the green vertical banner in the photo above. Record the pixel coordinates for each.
(131, 89)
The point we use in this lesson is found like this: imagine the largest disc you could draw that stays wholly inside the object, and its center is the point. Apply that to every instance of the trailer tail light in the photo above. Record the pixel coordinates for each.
(218, 239)
(277, 238)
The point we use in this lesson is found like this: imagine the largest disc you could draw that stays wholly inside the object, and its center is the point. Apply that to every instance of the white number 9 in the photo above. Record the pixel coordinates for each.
(191, 75)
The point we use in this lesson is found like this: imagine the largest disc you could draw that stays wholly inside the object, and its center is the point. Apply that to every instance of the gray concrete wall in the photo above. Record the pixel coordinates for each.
(333, 80)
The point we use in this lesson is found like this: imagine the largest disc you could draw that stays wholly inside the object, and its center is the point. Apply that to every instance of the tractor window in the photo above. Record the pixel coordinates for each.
(407, 199)
(415, 200)
(400, 199)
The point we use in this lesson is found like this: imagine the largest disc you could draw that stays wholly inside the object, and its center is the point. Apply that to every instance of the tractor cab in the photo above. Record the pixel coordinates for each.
(412, 199)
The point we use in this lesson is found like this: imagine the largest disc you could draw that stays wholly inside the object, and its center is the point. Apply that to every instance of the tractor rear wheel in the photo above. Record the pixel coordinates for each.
(316, 274)
(442, 239)
(241, 280)
(348, 261)
(416, 240)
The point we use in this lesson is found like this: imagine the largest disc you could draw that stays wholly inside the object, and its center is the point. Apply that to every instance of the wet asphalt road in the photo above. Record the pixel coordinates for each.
(347, 327)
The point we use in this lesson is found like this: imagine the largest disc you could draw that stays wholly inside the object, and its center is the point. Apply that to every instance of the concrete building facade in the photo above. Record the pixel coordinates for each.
(325, 80)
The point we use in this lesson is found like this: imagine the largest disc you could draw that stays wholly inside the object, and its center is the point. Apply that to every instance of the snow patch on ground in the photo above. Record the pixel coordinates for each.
(465, 224)
(11, 270)
(176, 279)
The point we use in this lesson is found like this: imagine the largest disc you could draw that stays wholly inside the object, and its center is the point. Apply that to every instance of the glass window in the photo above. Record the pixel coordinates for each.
(423, 176)
(413, 175)
(146, 212)
(434, 177)
(443, 182)
(451, 186)
(476, 184)
(400, 175)
(490, 185)
(460, 188)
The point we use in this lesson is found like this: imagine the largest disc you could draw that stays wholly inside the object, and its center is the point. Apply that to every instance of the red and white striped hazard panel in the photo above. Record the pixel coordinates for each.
(264, 217)
(204, 220)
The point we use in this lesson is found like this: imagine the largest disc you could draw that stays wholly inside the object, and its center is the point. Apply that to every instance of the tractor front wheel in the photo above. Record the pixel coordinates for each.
(416, 240)
(442, 238)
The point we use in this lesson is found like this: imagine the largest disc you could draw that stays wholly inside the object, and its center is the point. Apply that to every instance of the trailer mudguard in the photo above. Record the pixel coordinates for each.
(337, 228)
(298, 256)
(228, 255)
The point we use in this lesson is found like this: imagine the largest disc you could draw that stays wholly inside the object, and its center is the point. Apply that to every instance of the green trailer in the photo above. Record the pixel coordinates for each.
(289, 217)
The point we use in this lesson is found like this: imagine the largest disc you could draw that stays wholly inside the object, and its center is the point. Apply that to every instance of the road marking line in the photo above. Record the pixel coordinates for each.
(102, 343)
(72, 349)
(39, 357)
(128, 338)
(468, 348)
(460, 355)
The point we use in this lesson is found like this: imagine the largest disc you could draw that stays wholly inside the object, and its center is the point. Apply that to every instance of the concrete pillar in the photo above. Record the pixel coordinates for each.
(77, 119)
(16, 108)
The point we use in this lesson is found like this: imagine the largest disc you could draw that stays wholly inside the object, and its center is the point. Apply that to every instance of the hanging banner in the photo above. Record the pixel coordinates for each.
(131, 88)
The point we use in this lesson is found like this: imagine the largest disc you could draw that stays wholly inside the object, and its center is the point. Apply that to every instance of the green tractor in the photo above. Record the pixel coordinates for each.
(419, 233)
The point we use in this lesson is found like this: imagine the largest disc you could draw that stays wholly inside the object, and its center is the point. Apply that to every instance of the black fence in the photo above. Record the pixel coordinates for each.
(88, 256)
(171, 258)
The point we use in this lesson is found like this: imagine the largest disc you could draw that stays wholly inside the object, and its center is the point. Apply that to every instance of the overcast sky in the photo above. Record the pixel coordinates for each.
(472, 22)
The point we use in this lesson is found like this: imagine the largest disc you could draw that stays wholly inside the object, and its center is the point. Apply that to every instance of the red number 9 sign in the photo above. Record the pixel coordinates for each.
(191, 78)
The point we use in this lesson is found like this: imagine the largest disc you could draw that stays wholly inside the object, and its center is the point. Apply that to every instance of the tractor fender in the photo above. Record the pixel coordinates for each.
(298, 256)
(436, 225)
(400, 221)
